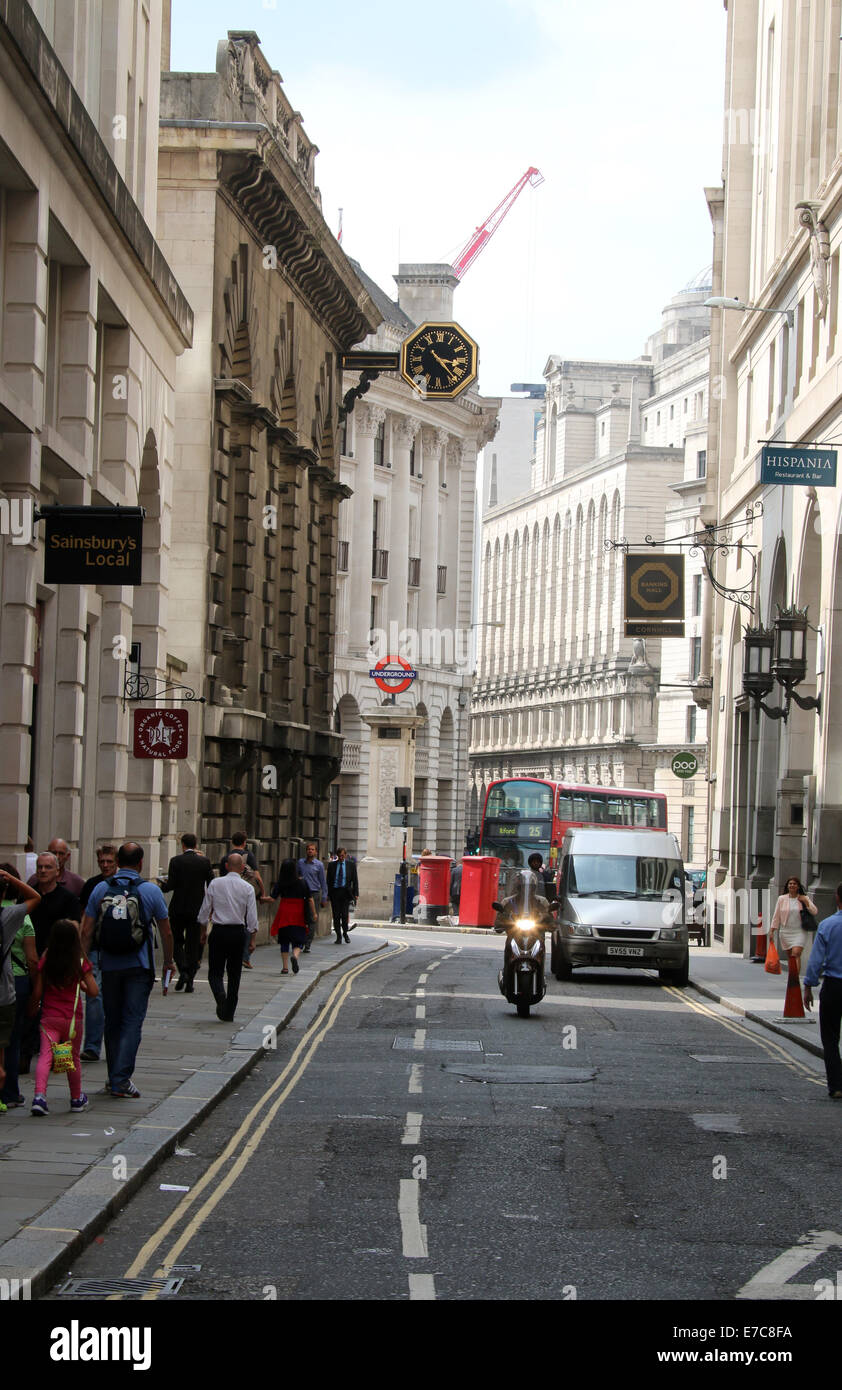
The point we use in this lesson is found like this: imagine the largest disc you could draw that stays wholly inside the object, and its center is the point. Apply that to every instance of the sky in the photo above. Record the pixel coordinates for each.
(425, 116)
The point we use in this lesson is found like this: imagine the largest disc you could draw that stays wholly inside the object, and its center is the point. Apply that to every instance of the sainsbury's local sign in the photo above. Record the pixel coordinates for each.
(93, 545)
(792, 467)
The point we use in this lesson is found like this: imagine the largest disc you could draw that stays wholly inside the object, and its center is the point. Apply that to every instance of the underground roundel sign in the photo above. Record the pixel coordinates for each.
(393, 675)
(685, 765)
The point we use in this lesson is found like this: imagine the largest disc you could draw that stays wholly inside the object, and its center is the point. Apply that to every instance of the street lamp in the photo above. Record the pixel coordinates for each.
(777, 654)
(719, 301)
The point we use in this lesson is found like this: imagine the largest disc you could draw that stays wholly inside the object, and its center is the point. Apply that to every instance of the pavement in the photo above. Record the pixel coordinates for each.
(64, 1175)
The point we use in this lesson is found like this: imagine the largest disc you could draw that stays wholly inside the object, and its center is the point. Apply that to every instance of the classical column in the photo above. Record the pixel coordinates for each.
(404, 430)
(433, 440)
(367, 420)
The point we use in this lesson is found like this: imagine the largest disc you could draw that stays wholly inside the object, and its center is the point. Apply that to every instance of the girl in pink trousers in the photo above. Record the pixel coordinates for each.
(64, 976)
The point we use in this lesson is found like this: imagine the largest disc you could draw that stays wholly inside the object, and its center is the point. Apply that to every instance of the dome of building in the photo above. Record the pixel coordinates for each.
(703, 282)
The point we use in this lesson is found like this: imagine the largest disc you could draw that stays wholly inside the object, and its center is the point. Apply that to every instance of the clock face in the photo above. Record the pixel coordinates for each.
(439, 359)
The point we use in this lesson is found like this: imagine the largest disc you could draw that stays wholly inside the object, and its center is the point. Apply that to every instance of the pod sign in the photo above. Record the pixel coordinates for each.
(685, 765)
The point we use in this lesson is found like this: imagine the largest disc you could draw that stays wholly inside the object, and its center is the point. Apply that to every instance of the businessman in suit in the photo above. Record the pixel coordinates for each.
(188, 875)
(342, 888)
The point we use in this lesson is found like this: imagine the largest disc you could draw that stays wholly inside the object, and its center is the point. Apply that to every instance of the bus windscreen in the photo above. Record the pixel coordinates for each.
(518, 821)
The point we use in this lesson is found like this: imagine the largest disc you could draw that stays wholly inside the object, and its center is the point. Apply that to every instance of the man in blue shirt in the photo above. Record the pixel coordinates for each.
(826, 958)
(312, 870)
(127, 979)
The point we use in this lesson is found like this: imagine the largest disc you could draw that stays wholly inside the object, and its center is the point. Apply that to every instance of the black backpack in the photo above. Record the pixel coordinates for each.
(121, 927)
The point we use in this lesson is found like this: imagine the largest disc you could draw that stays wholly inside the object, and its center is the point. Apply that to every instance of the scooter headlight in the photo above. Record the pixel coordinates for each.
(525, 923)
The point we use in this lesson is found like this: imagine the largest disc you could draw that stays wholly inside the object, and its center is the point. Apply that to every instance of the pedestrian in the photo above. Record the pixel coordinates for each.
(118, 918)
(238, 844)
(23, 960)
(252, 877)
(456, 884)
(188, 876)
(312, 870)
(426, 853)
(66, 877)
(11, 919)
(63, 975)
(229, 902)
(106, 858)
(296, 906)
(826, 959)
(56, 902)
(343, 889)
(787, 927)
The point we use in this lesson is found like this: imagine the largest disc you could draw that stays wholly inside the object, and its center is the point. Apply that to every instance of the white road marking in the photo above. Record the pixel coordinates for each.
(413, 1234)
(772, 1281)
(718, 1124)
(421, 1287)
(420, 1039)
(419, 993)
(412, 1128)
(422, 979)
(420, 1011)
(415, 1084)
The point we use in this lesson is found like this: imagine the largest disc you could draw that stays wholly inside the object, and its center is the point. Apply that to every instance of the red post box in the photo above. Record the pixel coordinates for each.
(433, 886)
(480, 877)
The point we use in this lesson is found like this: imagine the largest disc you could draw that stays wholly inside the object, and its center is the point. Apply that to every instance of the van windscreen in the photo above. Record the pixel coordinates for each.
(623, 876)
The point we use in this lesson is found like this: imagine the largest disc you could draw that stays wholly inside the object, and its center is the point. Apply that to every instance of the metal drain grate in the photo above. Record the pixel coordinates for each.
(435, 1045)
(101, 1288)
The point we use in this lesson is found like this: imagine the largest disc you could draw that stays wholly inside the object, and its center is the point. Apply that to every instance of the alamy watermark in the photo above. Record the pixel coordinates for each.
(17, 519)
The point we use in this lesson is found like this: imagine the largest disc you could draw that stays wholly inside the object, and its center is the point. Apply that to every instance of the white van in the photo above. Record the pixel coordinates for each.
(621, 902)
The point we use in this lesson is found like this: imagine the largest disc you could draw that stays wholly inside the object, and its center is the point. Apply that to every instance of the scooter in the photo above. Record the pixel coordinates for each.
(522, 980)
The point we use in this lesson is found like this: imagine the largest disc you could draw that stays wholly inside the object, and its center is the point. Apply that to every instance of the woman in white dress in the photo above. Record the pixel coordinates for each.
(791, 937)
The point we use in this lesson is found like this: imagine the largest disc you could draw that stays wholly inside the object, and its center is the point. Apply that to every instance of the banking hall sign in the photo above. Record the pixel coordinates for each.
(93, 545)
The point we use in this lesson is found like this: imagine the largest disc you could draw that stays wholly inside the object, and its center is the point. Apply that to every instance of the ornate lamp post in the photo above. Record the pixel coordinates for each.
(778, 654)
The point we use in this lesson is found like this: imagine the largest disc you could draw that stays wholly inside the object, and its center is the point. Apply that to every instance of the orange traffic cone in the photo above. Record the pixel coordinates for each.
(793, 1005)
(773, 960)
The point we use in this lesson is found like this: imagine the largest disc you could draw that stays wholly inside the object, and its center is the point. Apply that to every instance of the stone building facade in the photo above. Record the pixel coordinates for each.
(776, 806)
(257, 448)
(92, 322)
(560, 692)
(406, 543)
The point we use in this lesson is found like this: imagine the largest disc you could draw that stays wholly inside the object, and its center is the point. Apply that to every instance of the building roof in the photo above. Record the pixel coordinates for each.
(391, 311)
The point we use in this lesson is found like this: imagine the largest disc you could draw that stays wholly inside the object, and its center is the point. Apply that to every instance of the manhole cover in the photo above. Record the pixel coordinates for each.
(435, 1045)
(534, 1076)
(101, 1288)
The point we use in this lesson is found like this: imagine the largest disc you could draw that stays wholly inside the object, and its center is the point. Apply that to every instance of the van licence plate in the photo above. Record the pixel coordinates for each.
(625, 951)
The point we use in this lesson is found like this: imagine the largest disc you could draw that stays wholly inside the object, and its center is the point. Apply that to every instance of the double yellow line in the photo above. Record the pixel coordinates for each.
(225, 1169)
(774, 1050)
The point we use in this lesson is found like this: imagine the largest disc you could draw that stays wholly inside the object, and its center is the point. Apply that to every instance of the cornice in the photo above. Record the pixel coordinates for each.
(339, 300)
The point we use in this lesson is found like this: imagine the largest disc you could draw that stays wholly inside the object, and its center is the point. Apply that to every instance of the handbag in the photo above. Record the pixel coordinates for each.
(808, 921)
(63, 1051)
(773, 962)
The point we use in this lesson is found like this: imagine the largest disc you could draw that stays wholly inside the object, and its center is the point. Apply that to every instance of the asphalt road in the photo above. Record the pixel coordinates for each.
(411, 1138)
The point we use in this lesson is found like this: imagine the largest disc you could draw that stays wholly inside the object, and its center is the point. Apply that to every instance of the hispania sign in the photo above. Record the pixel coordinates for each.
(798, 467)
(93, 545)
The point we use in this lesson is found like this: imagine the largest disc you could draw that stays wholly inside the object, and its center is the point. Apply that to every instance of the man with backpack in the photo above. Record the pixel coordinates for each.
(119, 917)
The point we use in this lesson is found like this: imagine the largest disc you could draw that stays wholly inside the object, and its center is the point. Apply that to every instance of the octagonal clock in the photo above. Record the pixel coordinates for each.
(440, 360)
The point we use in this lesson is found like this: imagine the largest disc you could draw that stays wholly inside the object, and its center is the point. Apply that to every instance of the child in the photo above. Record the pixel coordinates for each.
(64, 974)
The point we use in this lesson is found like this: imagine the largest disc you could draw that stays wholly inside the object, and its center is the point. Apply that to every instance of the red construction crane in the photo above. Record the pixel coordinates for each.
(483, 234)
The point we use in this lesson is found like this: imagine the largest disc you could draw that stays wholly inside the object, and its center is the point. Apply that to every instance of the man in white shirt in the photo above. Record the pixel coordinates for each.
(231, 905)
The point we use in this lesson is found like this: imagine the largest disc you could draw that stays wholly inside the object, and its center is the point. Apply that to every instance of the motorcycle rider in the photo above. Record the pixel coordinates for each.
(528, 900)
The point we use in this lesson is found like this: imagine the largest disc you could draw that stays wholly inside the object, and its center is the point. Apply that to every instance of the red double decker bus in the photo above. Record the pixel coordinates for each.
(523, 815)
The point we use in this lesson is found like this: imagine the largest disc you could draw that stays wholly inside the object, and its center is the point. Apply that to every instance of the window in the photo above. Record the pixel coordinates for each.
(672, 412)
(685, 405)
(380, 444)
(697, 595)
(689, 830)
(645, 423)
(702, 463)
(602, 428)
(695, 657)
(412, 460)
(581, 807)
(373, 615)
(658, 418)
(691, 723)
